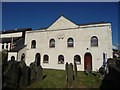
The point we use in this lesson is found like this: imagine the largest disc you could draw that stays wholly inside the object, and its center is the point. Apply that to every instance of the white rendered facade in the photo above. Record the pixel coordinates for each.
(60, 31)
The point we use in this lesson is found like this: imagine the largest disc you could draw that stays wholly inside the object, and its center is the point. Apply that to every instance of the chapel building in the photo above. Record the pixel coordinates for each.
(89, 45)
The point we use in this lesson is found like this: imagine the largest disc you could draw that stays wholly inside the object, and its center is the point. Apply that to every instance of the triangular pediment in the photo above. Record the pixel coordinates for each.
(62, 23)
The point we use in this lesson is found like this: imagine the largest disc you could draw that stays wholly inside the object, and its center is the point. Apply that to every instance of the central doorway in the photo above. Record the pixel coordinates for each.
(88, 62)
(37, 58)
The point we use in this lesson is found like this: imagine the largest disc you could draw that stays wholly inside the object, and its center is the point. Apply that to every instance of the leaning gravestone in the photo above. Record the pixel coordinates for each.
(33, 77)
(36, 72)
(70, 78)
(24, 75)
(39, 72)
(12, 75)
(75, 70)
(18, 75)
(66, 69)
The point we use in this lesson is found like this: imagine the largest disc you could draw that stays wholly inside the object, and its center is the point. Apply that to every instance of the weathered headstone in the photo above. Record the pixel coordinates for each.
(75, 70)
(39, 72)
(33, 77)
(36, 72)
(18, 75)
(24, 75)
(70, 77)
(12, 75)
(66, 69)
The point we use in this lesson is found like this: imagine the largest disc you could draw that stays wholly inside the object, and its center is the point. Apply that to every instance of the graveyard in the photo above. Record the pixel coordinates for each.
(57, 79)
(18, 75)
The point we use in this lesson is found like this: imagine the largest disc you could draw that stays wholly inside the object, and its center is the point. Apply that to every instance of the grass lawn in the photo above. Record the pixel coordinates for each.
(57, 79)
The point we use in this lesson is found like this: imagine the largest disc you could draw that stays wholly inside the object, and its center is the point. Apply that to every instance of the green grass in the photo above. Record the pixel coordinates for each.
(88, 81)
(57, 79)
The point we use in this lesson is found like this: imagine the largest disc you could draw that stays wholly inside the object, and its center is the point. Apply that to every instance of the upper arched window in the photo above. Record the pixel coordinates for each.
(33, 44)
(45, 58)
(77, 59)
(70, 42)
(52, 43)
(60, 59)
(23, 57)
(94, 41)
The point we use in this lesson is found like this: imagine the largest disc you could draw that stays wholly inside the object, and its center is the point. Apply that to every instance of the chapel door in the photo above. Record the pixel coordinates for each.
(88, 62)
(38, 58)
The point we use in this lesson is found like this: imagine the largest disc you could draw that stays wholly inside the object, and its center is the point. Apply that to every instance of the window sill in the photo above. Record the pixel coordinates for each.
(33, 48)
(45, 62)
(70, 47)
(60, 63)
(94, 46)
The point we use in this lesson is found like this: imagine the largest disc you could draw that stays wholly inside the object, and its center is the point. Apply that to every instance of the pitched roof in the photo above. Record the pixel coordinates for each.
(62, 23)
(91, 23)
(16, 30)
(19, 45)
(17, 48)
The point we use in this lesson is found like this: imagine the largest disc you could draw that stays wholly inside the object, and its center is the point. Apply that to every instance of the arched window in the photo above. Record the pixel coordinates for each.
(94, 41)
(77, 59)
(60, 59)
(70, 42)
(33, 44)
(37, 58)
(45, 58)
(23, 57)
(12, 58)
(52, 43)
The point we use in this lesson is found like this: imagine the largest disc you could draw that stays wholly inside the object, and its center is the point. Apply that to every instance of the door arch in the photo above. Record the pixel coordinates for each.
(23, 57)
(88, 62)
(37, 58)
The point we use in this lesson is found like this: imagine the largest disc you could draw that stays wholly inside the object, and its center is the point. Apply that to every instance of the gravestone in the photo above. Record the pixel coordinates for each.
(75, 70)
(18, 75)
(24, 74)
(39, 73)
(33, 77)
(36, 72)
(66, 69)
(12, 75)
(70, 75)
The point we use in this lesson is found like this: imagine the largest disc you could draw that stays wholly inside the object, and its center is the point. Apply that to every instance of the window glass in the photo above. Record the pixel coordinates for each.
(77, 59)
(94, 41)
(70, 42)
(45, 59)
(52, 43)
(33, 44)
(60, 59)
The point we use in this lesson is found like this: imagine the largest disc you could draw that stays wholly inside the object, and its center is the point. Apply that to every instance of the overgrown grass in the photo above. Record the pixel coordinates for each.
(54, 79)
(88, 81)
(57, 79)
